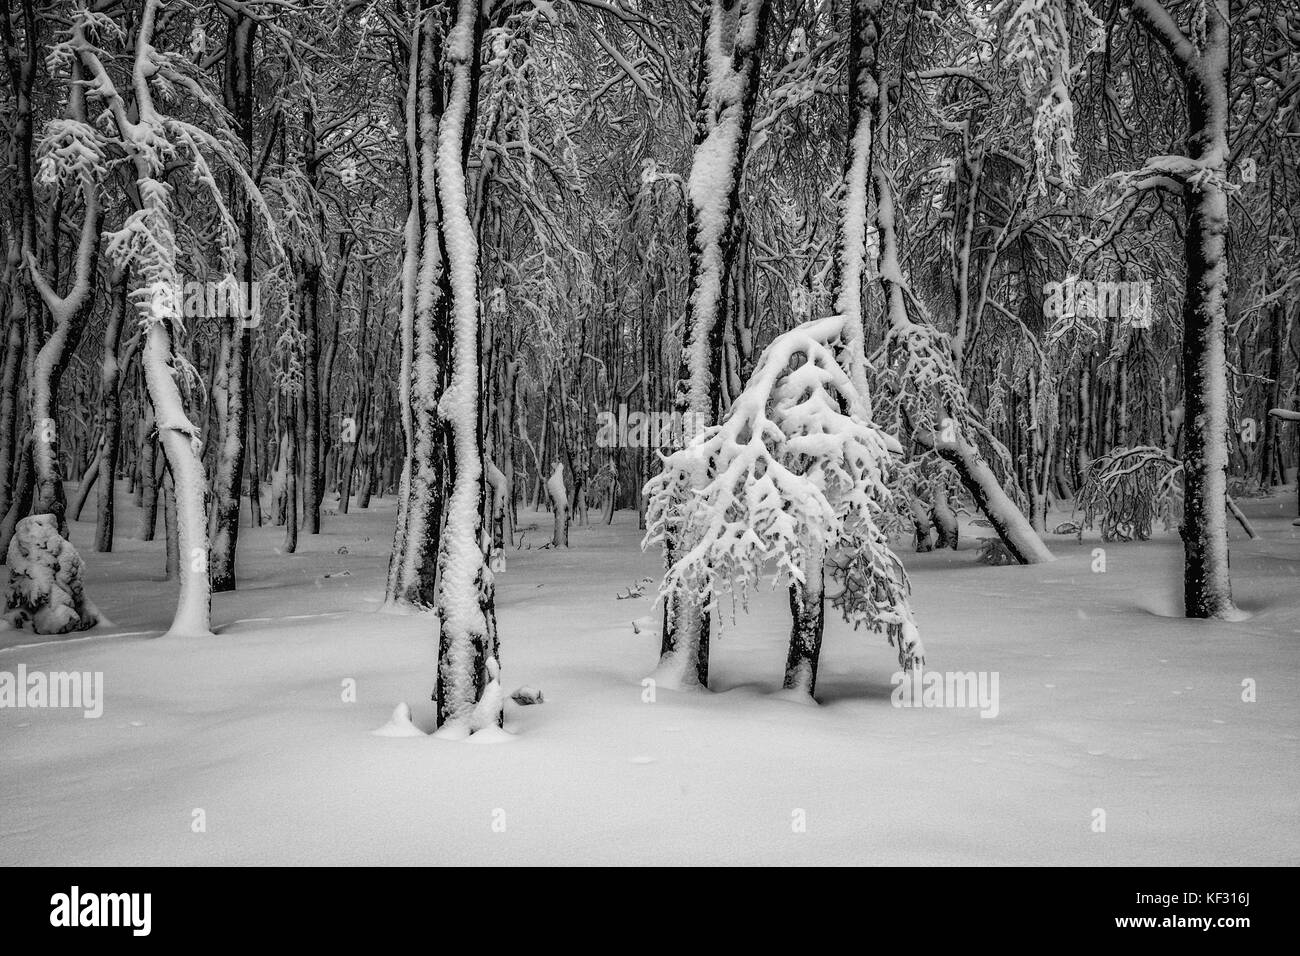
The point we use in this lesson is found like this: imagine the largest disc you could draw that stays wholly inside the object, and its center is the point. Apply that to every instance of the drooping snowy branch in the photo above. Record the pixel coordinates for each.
(794, 472)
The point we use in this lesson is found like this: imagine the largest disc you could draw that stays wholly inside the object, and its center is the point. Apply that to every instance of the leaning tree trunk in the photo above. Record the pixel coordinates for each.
(1010, 523)
(89, 479)
(149, 245)
(1017, 534)
(69, 314)
(180, 443)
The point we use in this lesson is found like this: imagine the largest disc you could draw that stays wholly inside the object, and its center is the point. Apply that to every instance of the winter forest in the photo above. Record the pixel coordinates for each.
(803, 431)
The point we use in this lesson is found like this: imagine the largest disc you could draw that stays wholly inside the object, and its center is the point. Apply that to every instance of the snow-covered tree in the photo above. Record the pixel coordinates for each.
(1200, 59)
(792, 482)
(146, 242)
(426, 305)
(732, 42)
(71, 151)
(920, 375)
(45, 580)
(445, 258)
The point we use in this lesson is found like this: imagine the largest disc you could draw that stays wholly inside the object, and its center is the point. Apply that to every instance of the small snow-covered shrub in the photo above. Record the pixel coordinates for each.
(994, 553)
(45, 580)
(1128, 489)
(793, 480)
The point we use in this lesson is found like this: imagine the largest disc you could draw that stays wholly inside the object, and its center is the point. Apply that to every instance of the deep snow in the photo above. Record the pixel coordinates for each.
(1107, 700)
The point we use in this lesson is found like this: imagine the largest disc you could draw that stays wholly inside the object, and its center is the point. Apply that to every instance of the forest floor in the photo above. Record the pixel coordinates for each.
(1107, 701)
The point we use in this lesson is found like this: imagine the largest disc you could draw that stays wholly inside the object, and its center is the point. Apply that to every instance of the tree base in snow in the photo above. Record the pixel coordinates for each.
(45, 580)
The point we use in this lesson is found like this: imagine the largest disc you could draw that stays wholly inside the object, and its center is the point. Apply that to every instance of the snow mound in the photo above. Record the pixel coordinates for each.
(491, 735)
(794, 695)
(400, 724)
(487, 712)
(45, 574)
(527, 695)
(672, 675)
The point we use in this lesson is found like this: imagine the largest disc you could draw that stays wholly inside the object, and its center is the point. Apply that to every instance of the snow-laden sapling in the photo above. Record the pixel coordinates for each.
(154, 144)
(791, 482)
(1128, 489)
(45, 575)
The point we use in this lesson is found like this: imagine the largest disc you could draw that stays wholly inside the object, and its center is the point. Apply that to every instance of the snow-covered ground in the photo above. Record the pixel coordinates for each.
(1107, 700)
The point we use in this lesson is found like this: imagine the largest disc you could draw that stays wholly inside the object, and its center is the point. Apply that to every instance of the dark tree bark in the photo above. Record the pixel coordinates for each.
(1207, 585)
(807, 609)
(233, 374)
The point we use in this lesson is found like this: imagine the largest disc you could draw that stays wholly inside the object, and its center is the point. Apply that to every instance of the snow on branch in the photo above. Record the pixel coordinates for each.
(794, 471)
(1039, 35)
(1128, 488)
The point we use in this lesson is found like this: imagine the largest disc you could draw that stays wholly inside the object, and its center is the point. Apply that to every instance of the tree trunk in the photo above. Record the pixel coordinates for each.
(727, 92)
(467, 638)
(945, 522)
(232, 376)
(426, 301)
(1207, 585)
(110, 387)
(1019, 537)
(290, 476)
(807, 608)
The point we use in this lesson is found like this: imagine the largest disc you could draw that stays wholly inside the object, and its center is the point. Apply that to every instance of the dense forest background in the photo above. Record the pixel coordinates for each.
(267, 260)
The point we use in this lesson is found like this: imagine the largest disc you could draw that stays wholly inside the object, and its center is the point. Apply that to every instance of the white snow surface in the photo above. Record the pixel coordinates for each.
(1108, 699)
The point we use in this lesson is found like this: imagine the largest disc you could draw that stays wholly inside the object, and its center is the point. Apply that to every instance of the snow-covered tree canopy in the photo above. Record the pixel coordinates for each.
(795, 470)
